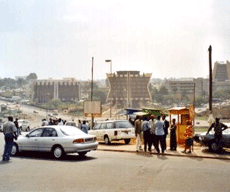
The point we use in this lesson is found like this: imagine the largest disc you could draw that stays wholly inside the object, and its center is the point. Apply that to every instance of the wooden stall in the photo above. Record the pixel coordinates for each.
(183, 115)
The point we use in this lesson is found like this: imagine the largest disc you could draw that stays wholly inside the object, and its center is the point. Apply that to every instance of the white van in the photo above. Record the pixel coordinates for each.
(113, 131)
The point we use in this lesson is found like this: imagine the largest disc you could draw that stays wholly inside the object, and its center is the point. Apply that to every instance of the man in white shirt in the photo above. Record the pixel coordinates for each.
(159, 132)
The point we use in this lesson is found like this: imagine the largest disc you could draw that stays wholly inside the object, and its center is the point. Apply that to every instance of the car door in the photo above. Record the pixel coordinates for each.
(102, 131)
(48, 139)
(30, 141)
(111, 131)
(96, 131)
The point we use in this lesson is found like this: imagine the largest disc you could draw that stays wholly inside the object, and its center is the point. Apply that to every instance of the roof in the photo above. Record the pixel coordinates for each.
(179, 110)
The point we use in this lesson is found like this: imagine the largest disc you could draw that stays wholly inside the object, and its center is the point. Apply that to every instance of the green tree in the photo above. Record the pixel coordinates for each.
(100, 95)
(31, 76)
(163, 90)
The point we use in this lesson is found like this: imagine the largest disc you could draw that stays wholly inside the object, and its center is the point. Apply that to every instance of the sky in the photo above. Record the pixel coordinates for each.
(58, 38)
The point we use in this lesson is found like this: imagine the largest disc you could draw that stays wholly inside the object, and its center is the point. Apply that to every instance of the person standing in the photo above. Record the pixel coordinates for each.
(146, 133)
(152, 139)
(166, 126)
(60, 123)
(17, 126)
(137, 126)
(218, 128)
(84, 127)
(10, 132)
(159, 132)
(173, 142)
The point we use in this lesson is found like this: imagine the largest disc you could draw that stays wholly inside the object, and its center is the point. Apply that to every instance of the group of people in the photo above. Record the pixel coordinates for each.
(52, 121)
(84, 126)
(154, 131)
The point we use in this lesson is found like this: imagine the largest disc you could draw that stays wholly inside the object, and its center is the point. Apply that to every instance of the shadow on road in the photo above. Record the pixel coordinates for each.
(47, 156)
(113, 144)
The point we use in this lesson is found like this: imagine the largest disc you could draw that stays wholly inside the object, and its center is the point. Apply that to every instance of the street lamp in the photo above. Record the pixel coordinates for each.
(110, 61)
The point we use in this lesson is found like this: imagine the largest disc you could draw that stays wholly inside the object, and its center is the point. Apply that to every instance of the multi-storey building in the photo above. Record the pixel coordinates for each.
(67, 90)
(190, 86)
(128, 88)
(221, 76)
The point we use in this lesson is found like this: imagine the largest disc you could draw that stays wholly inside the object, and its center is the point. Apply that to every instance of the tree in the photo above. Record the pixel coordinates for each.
(21, 82)
(31, 76)
(100, 95)
(163, 90)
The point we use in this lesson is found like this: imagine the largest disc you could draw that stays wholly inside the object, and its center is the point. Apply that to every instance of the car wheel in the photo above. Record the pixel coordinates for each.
(82, 154)
(214, 147)
(28, 129)
(107, 142)
(14, 150)
(58, 152)
(127, 141)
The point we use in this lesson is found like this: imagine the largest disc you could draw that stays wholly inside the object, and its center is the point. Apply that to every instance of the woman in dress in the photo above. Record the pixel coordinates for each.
(173, 142)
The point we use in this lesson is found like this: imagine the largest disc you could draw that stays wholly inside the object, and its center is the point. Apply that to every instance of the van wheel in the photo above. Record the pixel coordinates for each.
(127, 141)
(28, 129)
(107, 142)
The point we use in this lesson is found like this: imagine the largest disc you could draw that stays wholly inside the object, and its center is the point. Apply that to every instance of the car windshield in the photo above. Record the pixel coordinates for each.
(69, 131)
(123, 124)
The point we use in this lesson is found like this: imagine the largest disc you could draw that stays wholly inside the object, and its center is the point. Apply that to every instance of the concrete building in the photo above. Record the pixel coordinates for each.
(129, 88)
(221, 71)
(67, 90)
(221, 76)
(189, 86)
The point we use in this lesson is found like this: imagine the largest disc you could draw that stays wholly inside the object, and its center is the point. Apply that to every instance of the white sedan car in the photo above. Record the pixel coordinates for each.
(56, 139)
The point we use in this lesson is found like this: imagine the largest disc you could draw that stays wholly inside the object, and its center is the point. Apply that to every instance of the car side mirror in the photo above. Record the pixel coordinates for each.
(27, 135)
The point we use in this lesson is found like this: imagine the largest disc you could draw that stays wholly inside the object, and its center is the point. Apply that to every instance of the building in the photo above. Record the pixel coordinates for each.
(221, 71)
(189, 86)
(66, 90)
(221, 76)
(129, 88)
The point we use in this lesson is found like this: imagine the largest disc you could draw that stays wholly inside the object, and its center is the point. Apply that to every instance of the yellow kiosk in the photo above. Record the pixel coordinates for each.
(183, 114)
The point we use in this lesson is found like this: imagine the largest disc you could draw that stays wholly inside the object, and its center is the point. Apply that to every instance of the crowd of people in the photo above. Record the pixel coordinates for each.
(154, 130)
(82, 125)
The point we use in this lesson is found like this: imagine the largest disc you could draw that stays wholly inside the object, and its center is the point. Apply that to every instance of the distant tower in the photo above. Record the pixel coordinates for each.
(221, 72)
(129, 88)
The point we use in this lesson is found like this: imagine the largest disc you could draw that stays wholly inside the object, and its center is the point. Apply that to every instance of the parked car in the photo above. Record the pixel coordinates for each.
(58, 140)
(35, 111)
(208, 140)
(113, 131)
(24, 125)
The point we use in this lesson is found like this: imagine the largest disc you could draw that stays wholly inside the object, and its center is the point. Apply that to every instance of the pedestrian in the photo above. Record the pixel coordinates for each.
(137, 126)
(60, 123)
(51, 122)
(79, 123)
(218, 129)
(146, 133)
(173, 142)
(189, 139)
(166, 126)
(44, 122)
(10, 132)
(152, 139)
(159, 132)
(84, 127)
(17, 126)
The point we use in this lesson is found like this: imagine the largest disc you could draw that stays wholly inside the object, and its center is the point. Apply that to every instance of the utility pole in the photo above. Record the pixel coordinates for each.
(92, 93)
(210, 78)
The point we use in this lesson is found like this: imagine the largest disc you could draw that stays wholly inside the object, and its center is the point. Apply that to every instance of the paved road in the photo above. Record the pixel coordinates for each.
(112, 171)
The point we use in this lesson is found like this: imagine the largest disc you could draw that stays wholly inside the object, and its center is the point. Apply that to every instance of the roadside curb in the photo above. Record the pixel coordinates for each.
(165, 154)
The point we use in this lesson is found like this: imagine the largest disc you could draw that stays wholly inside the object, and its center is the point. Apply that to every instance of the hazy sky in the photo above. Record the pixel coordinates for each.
(58, 38)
